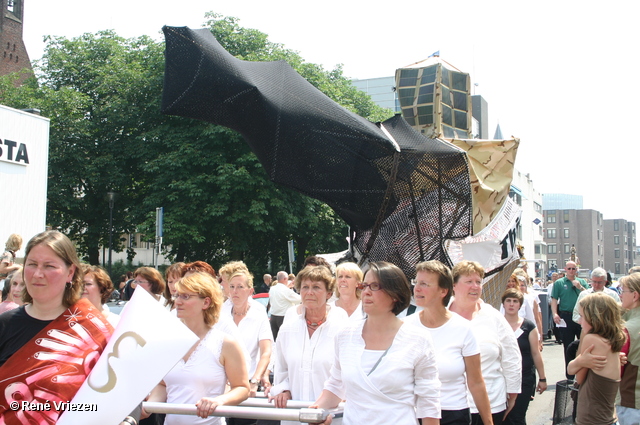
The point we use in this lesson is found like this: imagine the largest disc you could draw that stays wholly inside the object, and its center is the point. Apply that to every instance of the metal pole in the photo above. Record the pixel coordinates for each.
(268, 413)
(111, 196)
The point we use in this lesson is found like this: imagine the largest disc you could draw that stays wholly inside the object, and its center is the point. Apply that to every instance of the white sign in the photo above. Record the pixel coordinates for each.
(146, 344)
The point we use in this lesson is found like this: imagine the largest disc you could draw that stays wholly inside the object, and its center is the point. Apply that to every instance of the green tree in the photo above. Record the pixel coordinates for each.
(102, 94)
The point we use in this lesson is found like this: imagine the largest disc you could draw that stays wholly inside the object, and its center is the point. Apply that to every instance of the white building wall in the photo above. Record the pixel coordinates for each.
(23, 174)
(531, 233)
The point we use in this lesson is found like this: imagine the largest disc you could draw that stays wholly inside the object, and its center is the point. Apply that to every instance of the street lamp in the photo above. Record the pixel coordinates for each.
(111, 196)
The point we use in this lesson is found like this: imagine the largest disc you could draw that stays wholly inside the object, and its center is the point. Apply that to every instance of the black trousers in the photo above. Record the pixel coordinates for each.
(518, 415)
(477, 420)
(275, 322)
(455, 417)
(569, 334)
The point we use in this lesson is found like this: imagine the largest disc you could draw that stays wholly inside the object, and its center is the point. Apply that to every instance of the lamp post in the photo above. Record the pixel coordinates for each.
(111, 197)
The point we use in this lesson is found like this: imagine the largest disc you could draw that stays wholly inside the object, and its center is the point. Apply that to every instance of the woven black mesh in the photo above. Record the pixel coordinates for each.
(308, 142)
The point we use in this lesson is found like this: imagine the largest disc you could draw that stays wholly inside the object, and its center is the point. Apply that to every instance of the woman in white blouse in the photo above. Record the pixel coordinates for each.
(305, 344)
(201, 375)
(457, 352)
(384, 369)
(253, 327)
(348, 277)
(499, 351)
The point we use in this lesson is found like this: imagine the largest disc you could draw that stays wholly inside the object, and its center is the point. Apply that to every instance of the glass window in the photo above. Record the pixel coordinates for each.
(406, 96)
(566, 216)
(617, 268)
(567, 248)
(425, 115)
(551, 219)
(551, 233)
(461, 120)
(408, 77)
(566, 233)
(429, 75)
(459, 81)
(460, 100)
(616, 253)
(551, 248)
(446, 77)
(616, 240)
(446, 96)
(616, 225)
(446, 115)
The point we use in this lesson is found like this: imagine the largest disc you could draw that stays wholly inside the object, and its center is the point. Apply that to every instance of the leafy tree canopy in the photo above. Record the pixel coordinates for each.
(102, 93)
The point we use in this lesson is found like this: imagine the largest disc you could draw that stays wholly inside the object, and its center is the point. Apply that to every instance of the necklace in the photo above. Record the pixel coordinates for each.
(316, 324)
(233, 310)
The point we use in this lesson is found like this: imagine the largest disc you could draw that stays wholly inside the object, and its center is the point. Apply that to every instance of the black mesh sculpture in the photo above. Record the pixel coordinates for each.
(401, 193)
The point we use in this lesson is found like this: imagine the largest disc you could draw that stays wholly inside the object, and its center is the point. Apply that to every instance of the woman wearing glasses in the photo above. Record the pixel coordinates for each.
(384, 369)
(151, 281)
(305, 344)
(201, 375)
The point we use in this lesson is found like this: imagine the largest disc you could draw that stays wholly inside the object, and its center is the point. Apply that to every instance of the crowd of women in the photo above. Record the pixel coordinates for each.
(457, 360)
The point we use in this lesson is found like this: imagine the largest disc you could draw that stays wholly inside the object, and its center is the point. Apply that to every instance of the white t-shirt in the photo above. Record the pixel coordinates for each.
(500, 357)
(453, 342)
(252, 329)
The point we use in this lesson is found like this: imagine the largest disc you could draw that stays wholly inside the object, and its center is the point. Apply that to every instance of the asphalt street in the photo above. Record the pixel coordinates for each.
(541, 407)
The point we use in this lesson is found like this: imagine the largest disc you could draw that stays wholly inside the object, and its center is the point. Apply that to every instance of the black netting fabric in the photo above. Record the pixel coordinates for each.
(401, 193)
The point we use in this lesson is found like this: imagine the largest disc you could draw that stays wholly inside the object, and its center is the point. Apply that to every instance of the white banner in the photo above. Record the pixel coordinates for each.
(146, 344)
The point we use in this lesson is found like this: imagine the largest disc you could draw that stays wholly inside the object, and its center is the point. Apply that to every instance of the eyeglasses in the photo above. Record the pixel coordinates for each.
(373, 286)
(628, 292)
(571, 268)
(138, 282)
(184, 297)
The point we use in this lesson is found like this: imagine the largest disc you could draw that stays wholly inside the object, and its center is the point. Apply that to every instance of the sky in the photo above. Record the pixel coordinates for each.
(559, 75)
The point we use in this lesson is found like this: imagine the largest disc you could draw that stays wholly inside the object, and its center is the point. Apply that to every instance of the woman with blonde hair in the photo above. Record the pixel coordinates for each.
(602, 335)
(201, 375)
(348, 278)
(500, 356)
(8, 257)
(628, 400)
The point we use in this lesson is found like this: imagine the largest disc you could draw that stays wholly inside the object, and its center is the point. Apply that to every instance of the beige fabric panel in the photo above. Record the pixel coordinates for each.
(491, 167)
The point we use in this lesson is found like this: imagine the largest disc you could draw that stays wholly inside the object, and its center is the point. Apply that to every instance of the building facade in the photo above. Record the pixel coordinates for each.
(530, 230)
(620, 244)
(14, 57)
(581, 229)
(561, 201)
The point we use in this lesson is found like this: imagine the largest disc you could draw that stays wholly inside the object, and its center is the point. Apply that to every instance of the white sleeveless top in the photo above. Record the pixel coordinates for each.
(200, 376)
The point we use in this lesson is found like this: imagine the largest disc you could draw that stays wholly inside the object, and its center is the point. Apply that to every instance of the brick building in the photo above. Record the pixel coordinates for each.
(13, 53)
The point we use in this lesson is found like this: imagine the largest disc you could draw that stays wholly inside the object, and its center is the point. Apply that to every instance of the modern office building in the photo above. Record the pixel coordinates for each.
(579, 229)
(561, 201)
(382, 91)
(620, 246)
